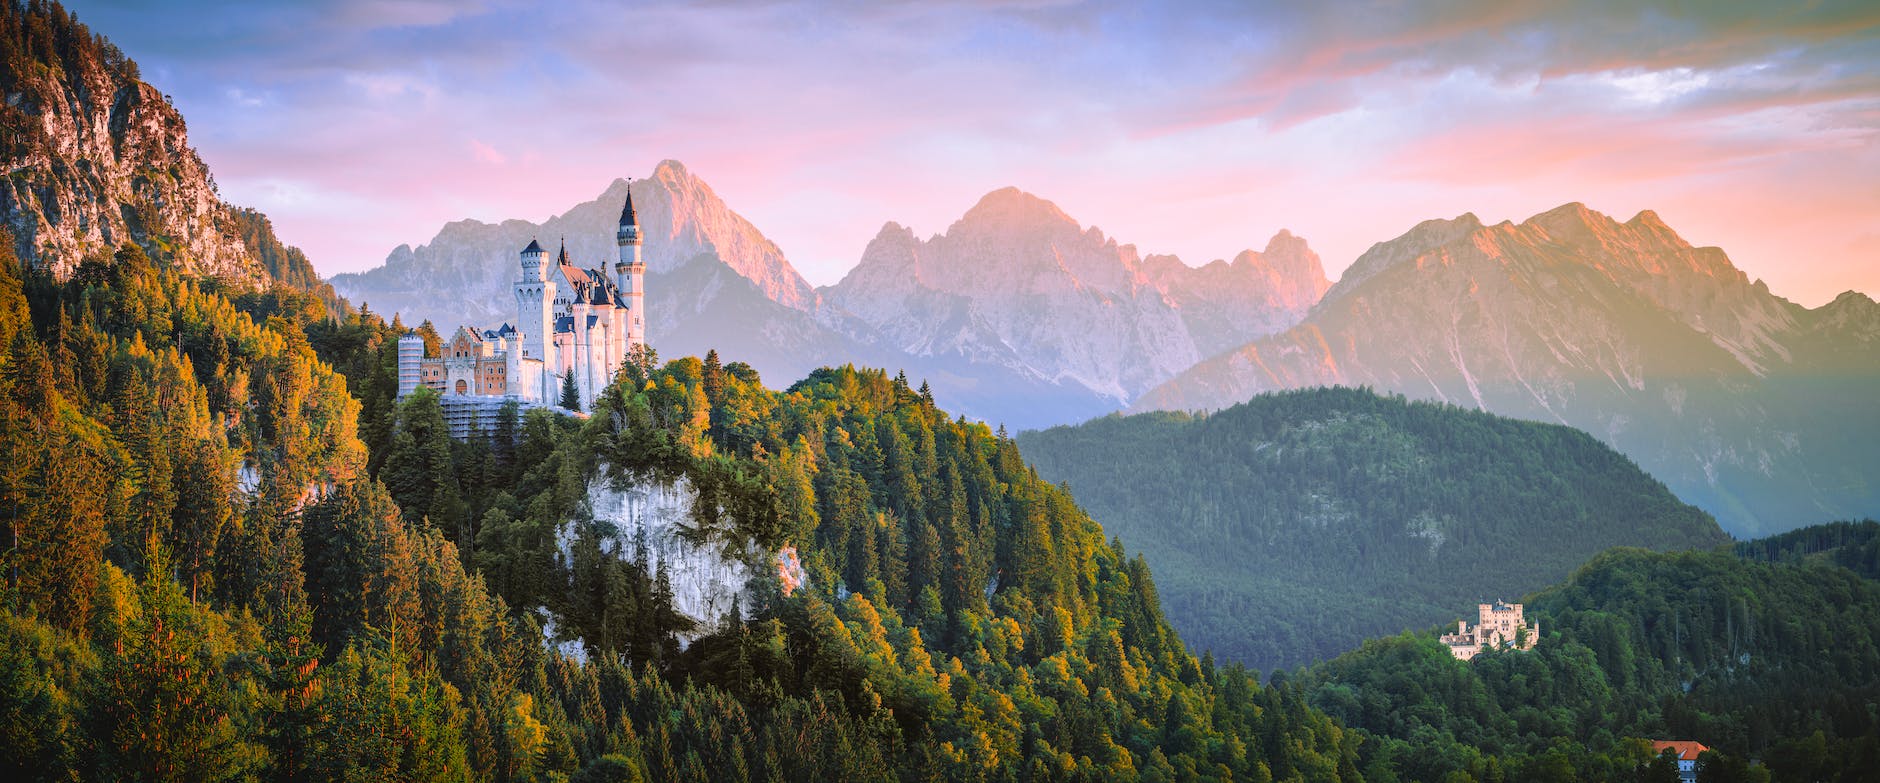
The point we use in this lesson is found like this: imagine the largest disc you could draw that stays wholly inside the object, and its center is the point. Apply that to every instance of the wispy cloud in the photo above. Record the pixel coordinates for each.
(1197, 128)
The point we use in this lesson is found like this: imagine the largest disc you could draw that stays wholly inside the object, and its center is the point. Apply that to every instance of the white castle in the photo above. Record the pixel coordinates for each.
(570, 323)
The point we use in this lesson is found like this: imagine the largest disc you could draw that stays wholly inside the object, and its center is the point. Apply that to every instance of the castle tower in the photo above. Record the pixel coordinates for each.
(583, 348)
(410, 356)
(630, 273)
(535, 324)
(607, 350)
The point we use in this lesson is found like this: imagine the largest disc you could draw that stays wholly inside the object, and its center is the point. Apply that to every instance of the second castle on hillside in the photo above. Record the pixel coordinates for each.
(570, 322)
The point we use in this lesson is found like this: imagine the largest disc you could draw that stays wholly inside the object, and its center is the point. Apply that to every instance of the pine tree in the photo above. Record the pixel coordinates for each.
(570, 396)
(713, 376)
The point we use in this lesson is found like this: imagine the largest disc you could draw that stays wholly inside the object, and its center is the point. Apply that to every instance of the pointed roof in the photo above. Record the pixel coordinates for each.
(580, 294)
(600, 295)
(563, 258)
(627, 215)
(534, 247)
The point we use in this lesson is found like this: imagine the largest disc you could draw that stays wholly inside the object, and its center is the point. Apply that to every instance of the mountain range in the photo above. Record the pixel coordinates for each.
(1017, 314)
(1748, 405)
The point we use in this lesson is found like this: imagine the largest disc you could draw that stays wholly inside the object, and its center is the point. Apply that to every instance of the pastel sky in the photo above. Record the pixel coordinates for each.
(1191, 128)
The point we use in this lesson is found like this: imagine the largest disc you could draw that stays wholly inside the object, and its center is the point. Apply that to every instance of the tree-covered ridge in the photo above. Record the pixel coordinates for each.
(207, 577)
(1776, 663)
(1851, 545)
(1292, 527)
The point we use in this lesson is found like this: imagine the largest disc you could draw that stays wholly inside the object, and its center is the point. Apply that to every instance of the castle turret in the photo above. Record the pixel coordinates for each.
(535, 297)
(629, 275)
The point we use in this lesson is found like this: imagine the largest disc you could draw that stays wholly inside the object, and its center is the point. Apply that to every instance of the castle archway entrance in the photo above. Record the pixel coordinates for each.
(463, 387)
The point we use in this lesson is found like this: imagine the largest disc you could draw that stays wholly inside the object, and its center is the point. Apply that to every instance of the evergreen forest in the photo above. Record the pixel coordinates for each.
(1776, 662)
(221, 564)
(1292, 527)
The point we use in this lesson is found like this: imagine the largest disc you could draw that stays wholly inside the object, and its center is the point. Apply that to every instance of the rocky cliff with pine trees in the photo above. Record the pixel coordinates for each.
(95, 158)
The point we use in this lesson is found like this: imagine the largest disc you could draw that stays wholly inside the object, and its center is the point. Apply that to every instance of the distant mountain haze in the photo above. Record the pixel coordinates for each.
(1757, 409)
(1017, 279)
(1017, 314)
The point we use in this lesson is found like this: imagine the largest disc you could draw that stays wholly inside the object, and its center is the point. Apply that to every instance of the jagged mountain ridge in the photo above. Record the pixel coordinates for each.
(1746, 404)
(714, 281)
(471, 265)
(96, 158)
(1022, 283)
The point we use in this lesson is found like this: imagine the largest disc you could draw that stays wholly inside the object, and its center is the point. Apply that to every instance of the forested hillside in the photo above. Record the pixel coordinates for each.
(205, 581)
(1290, 528)
(1779, 663)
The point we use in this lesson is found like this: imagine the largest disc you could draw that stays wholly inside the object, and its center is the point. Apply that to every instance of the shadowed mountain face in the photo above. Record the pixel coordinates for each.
(1017, 315)
(1746, 404)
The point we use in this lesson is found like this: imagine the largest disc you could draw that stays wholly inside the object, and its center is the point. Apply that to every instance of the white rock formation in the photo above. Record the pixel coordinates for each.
(706, 576)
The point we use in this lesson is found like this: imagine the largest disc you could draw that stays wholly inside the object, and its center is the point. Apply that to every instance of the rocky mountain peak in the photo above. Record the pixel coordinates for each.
(1022, 283)
(1422, 238)
(1009, 209)
(470, 264)
(1571, 220)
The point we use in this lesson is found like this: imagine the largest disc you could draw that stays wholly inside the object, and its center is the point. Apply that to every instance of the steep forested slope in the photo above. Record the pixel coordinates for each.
(203, 579)
(1292, 527)
(1775, 662)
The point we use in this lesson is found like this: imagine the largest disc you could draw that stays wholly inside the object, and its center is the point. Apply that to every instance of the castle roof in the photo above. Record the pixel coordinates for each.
(1688, 750)
(580, 294)
(564, 323)
(600, 295)
(627, 215)
(575, 275)
(534, 247)
(563, 258)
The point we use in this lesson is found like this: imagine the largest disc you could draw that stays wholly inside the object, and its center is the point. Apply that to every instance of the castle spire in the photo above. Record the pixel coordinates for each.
(564, 251)
(627, 215)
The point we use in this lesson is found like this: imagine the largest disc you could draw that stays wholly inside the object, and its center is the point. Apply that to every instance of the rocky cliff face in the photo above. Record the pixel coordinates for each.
(1018, 283)
(1736, 398)
(653, 522)
(96, 158)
